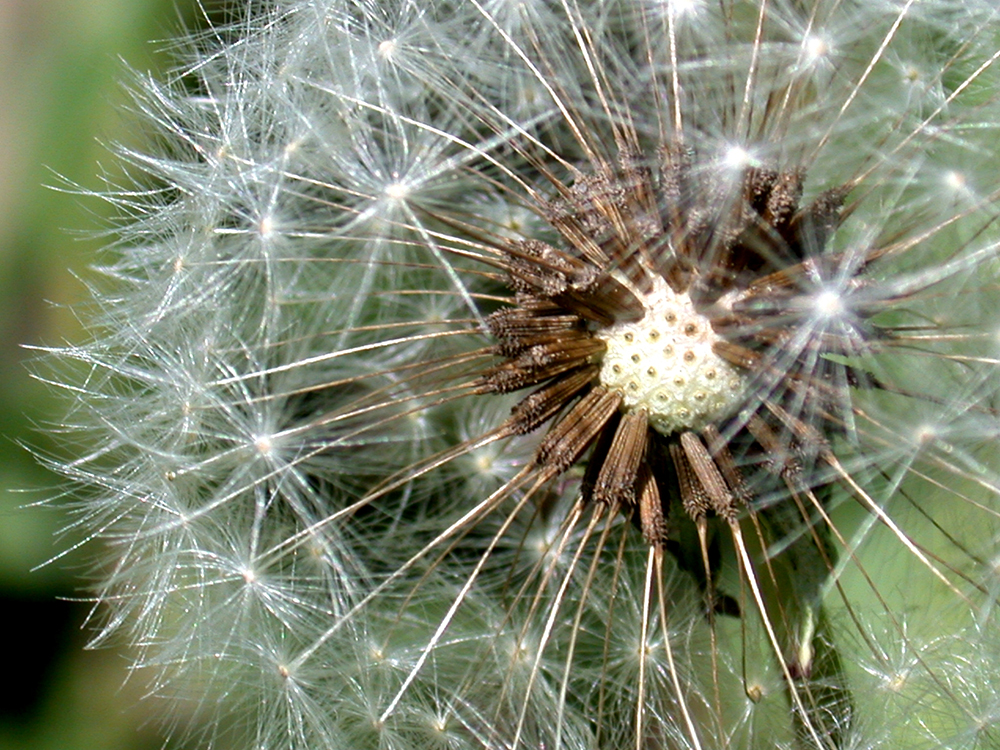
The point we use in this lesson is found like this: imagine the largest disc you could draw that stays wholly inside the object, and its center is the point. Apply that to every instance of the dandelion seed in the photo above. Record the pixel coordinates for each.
(828, 304)
(816, 48)
(397, 191)
(386, 48)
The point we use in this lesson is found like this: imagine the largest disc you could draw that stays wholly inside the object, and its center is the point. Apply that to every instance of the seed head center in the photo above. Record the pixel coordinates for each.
(665, 364)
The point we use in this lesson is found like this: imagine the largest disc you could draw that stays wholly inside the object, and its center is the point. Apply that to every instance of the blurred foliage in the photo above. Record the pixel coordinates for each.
(61, 102)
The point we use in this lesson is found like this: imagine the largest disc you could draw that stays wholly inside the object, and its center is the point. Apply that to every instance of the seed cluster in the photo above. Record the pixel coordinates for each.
(665, 364)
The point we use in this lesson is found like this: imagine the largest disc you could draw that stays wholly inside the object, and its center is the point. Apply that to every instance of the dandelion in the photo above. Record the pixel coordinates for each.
(564, 375)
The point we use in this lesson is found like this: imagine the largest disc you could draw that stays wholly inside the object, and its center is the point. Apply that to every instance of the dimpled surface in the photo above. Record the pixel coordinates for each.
(665, 364)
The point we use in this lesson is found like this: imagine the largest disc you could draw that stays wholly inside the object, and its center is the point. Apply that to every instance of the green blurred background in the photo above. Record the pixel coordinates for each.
(60, 100)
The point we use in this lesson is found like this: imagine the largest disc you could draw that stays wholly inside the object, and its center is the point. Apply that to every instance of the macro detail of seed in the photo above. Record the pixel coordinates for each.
(664, 363)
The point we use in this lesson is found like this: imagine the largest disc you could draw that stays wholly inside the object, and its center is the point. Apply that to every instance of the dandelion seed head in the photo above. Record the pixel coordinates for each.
(926, 434)
(484, 462)
(519, 651)
(959, 188)
(816, 49)
(828, 304)
(955, 180)
(397, 191)
(912, 74)
(736, 158)
(563, 375)
(684, 8)
(386, 48)
(264, 445)
(897, 682)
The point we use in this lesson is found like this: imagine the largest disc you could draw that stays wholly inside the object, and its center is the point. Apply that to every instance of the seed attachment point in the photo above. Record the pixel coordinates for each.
(678, 393)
